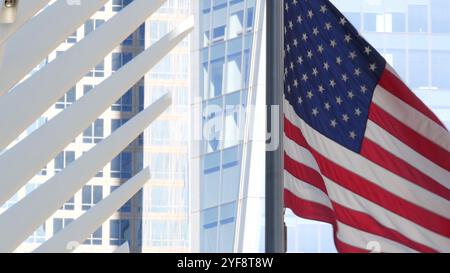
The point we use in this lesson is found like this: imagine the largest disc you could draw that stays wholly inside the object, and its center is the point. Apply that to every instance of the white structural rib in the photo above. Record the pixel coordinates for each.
(85, 225)
(46, 30)
(19, 221)
(57, 134)
(30, 99)
(25, 10)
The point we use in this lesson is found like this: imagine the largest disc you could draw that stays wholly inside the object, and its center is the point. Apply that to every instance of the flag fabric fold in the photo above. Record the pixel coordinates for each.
(361, 151)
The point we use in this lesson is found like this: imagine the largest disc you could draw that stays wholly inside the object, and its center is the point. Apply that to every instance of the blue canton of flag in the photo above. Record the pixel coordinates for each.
(330, 71)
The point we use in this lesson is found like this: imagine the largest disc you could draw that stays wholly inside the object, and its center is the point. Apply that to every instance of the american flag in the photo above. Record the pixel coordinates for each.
(361, 151)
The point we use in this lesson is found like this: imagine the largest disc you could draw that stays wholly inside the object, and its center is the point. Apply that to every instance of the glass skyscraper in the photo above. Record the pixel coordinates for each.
(165, 211)
(414, 38)
(227, 186)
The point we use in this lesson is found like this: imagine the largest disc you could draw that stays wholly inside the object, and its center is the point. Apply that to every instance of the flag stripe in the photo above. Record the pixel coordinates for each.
(380, 212)
(302, 153)
(380, 136)
(367, 223)
(304, 173)
(397, 88)
(305, 190)
(362, 239)
(389, 219)
(356, 134)
(411, 118)
(378, 195)
(317, 212)
(391, 162)
(367, 169)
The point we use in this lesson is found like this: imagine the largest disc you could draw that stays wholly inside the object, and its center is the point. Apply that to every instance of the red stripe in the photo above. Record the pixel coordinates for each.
(317, 212)
(304, 173)
(367, 223)
(378, 195)
(414, 140)
(387, 160)
(294, 133)
(396, 87)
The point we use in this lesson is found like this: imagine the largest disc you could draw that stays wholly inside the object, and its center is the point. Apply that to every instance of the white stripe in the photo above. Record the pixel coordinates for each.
(305, 191)
(411, 117)
(398, 148)
(299, 154)
(367, 169)
(409, 229)
(364, 240)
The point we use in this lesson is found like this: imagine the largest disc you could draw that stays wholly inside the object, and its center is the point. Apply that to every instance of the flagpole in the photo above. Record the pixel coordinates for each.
(275, 240)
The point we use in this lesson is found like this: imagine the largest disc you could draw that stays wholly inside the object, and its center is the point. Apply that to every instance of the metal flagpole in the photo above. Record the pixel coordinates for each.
(274, 89)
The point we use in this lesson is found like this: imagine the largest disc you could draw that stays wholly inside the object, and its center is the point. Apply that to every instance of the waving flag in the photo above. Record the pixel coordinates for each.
(362, 152)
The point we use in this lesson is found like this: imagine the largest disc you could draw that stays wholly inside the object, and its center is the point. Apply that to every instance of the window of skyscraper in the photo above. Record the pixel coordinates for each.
(125, 103)
(418, 18)
(94, 133)
(118, 5)
(125, 207)
(208, 233)
(370, 21)
(97, 71)
(440, 20)
(69, 204)
(72, 39)
(354, 18)
(90, 196)
(67, 99)
(233, 123)
(38, 235)
(63, 159)
(210, 181)
(95, 238)
(160, 199)
(120, 59)
(398, 22)
(440, 61)
(119, 232)
(91, 25)
(117, 123)
(60, 223)
(227, 227)
(121, 166)
(418, 65)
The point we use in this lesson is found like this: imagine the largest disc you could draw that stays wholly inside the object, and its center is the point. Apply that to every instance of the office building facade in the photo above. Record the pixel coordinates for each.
(165, 211)
(227, 146)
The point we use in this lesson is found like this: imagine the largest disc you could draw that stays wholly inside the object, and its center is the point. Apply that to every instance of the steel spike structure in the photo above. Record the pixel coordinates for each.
(19, 221)
(86, 224)
(19, 57)
(80, 115)
(42, 89)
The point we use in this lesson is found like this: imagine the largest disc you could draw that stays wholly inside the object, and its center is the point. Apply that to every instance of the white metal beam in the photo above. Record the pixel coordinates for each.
(57, 135)
(86, 224)
(25, 10)
(19, 221)
(30, 99)
(20, 57)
